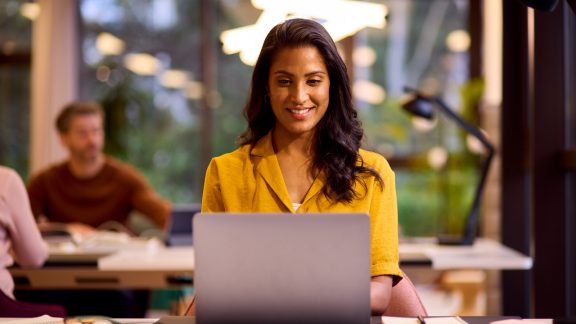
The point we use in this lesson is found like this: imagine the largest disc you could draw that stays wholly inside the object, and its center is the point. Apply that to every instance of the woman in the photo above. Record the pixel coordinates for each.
(301, 151)
(19, 238)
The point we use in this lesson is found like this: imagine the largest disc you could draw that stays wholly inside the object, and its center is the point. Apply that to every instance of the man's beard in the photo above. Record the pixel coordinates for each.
(88, 155)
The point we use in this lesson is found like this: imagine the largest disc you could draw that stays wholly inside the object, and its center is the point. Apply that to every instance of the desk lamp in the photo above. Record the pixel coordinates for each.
(422, 106)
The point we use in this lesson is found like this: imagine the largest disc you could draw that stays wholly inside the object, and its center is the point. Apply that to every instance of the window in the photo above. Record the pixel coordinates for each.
(143, 61)
(15, 43)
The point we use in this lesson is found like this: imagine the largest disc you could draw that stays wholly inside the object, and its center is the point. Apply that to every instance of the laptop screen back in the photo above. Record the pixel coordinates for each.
(282, 268)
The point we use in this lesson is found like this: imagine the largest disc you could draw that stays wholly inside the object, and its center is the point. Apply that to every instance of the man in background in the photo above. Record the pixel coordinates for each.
(90, 188)
(87, 191)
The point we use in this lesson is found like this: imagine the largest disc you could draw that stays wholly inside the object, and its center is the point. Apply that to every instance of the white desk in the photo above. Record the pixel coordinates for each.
(483, 255)
(174, 267)
(134, 269)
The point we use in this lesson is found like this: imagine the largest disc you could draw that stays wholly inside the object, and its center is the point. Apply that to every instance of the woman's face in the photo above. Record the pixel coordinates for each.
(299, 89)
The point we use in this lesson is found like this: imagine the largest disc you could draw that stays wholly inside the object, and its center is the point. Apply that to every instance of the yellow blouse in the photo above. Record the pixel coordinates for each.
(249, 179)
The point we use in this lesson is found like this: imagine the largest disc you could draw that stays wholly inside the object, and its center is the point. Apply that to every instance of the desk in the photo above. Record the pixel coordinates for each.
(133, 269)
(192, 320)
(373, 320)
(174, 267)
(485, 254)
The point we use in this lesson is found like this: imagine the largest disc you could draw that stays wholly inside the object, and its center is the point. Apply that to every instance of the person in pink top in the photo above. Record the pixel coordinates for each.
(20, 241)
(18, 230)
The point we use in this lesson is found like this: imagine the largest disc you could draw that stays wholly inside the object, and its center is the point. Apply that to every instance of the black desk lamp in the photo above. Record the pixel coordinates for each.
(421, 106)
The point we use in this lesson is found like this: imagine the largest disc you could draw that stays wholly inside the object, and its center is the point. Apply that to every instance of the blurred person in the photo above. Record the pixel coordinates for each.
(301, 152)
(20, 241)
(90, 188)
(87, 191)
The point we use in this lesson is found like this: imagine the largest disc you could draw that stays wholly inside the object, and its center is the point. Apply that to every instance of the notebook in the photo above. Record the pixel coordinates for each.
(282, 268)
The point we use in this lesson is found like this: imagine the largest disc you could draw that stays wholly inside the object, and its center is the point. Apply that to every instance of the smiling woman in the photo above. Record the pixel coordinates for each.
(301, 152)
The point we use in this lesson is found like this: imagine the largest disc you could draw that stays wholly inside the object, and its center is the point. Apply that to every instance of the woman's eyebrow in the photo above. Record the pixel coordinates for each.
(291, 74)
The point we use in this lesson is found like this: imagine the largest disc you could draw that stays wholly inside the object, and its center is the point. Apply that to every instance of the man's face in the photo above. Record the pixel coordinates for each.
(84, 138)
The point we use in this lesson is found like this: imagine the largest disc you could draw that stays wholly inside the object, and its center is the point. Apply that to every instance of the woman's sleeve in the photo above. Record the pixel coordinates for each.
(384, 218)
(29, 248)
(212, 195)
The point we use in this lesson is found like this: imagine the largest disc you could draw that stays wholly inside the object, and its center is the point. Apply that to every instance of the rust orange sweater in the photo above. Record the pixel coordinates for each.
(111, 195)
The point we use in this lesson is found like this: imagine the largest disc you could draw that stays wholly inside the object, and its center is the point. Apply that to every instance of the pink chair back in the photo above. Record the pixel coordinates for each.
(405, 300)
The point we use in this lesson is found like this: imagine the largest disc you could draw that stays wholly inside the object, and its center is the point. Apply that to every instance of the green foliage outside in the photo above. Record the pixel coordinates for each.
(144, 130)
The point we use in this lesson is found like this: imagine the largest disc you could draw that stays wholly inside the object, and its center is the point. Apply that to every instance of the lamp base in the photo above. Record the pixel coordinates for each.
(455, 240)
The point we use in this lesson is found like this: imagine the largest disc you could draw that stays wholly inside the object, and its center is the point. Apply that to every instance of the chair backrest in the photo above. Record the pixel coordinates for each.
(405, 300)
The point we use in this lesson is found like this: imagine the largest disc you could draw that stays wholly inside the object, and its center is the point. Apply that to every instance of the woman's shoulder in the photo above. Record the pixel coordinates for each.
(235, 158)
(7, 177)
(374, 159)
(6, 172)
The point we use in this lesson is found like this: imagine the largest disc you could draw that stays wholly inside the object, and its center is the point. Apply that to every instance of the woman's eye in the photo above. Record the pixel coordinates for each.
(314, 82)
(283, 82)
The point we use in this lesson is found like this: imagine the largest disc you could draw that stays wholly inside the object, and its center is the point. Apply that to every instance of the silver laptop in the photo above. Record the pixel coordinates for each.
(282, 268)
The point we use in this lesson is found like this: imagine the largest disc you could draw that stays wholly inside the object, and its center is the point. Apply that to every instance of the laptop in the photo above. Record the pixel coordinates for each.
(282, 268)
(179, 230)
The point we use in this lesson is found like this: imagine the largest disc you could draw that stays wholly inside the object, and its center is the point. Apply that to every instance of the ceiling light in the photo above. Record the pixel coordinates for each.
(108, 44)
(30, 10)
(341, 18)
(174, 79)
(143, 64)
(369, 92)
(458, 41)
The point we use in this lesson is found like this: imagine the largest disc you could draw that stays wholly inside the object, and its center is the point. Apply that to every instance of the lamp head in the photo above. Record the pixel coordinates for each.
(419, 106)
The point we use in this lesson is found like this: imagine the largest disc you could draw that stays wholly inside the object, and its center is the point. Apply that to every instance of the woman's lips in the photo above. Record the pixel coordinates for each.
(299, 113)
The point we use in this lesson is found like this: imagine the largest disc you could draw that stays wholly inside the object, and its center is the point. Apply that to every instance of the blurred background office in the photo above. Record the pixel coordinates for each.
(173, 77)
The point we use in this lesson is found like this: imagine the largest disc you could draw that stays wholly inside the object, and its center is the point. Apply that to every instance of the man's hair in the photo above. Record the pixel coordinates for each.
(77, 108)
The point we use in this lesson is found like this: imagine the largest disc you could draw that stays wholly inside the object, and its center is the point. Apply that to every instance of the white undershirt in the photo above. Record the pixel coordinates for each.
(296, 206)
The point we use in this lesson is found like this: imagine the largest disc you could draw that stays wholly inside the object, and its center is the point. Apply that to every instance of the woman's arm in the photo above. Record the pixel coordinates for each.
(380, 291)
(29, 248)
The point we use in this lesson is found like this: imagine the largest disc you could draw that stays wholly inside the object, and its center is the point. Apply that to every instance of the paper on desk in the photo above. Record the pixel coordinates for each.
(175, 258)
(44, 319)
(414, 320)
(106, 241)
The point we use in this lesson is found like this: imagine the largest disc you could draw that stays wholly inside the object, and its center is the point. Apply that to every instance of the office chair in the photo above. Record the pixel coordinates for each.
(13, 308)
(405, 300)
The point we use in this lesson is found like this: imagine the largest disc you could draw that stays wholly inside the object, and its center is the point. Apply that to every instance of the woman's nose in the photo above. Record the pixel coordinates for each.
(299, 94)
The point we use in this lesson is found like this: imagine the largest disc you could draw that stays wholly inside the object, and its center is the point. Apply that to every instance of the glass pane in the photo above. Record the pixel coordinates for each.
(234, 78)
(158, 127)
(424, 46)
(15, 40)
(410, 50)
(141, 61)
(16, 26)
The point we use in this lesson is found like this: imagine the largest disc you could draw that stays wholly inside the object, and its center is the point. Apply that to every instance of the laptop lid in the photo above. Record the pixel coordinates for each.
(179, 230)
(282, 268)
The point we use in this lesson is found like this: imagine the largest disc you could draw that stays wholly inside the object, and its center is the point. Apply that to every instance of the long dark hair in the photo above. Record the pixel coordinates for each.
(339, 132)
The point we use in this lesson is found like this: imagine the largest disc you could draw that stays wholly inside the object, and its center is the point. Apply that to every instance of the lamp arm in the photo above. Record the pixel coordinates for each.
(472, 219)
(464, 124)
